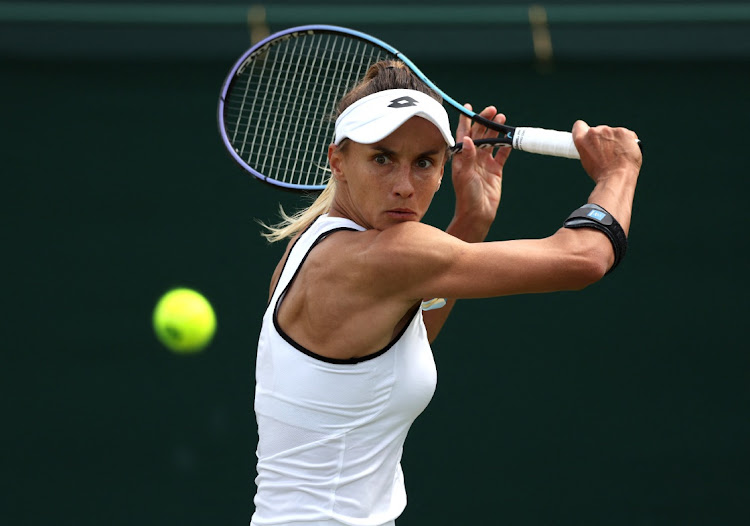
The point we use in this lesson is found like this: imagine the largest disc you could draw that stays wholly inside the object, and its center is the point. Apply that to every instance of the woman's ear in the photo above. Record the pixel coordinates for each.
(335, 160)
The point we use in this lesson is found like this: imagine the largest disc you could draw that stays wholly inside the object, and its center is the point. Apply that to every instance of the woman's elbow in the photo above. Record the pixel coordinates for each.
(588, 256)
(589, 268)
(589, 272)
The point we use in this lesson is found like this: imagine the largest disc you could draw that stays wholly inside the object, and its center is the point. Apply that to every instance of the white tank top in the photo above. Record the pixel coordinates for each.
(331, 432)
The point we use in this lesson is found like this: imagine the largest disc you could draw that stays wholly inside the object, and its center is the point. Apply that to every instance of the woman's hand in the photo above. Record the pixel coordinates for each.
(607, 151)
(477, 175)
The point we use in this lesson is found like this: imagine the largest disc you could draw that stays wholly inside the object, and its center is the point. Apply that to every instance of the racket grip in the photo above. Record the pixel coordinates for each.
(545, 142)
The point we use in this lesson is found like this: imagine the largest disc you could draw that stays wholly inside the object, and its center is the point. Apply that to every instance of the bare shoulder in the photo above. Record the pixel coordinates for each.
(408, 229)
(403, 238)
(374, 262)
(409, 240)
(399, 259)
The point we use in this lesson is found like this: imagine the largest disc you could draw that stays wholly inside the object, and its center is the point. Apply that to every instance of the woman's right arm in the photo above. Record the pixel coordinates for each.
(419, 261)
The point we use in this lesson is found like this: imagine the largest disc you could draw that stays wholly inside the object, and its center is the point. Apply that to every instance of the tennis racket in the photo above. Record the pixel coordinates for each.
(277, 105)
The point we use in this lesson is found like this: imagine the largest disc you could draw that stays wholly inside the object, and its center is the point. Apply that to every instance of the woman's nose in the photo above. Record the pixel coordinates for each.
(403, 185)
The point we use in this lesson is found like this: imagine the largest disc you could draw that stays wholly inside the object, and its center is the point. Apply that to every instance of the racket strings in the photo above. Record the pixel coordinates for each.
(279, 111)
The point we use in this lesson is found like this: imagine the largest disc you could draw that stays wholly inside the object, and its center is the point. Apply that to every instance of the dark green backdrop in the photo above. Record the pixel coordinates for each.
(624, 404)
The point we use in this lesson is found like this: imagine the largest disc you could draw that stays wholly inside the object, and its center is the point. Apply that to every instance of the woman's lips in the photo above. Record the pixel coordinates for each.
(401, 213)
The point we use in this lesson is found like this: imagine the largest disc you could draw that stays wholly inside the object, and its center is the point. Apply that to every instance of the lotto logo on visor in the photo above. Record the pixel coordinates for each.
(375, 117)
(402, 102)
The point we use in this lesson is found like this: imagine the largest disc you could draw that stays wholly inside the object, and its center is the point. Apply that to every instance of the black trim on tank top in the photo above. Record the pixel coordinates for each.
(307, 351)
(287, 257)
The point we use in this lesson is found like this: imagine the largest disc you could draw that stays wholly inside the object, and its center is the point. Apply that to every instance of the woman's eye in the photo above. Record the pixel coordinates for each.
(424, 163)
(381, 159)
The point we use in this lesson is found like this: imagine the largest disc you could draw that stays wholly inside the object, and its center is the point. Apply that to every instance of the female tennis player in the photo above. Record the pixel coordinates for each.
(344, 364)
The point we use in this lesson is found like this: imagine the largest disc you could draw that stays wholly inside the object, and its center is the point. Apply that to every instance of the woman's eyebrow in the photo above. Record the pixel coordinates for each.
(388, 151)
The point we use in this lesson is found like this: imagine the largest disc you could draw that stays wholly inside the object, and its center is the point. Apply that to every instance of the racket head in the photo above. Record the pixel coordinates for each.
(277, 106)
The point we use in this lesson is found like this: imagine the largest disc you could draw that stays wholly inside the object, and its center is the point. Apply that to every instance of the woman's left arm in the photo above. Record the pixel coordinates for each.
(477, 176)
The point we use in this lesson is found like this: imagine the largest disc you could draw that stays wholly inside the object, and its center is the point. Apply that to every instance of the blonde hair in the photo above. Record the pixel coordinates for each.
(383, 75)
(300, 220)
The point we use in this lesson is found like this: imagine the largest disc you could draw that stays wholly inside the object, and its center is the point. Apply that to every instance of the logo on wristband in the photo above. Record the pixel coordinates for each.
(596, 214)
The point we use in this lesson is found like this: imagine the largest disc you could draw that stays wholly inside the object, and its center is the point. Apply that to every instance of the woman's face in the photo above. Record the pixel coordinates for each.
(391, 181)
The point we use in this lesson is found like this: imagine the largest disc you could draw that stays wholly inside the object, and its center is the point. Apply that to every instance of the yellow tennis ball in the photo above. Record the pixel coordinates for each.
(184, 321)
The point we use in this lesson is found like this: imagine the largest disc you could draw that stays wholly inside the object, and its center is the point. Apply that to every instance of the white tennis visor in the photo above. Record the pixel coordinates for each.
(375, 117)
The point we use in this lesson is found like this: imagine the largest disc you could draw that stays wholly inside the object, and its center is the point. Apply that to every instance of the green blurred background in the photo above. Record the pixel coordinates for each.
(624, 404)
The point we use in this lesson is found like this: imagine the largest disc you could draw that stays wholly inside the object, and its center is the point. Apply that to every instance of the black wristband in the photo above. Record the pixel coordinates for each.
(594, 216)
